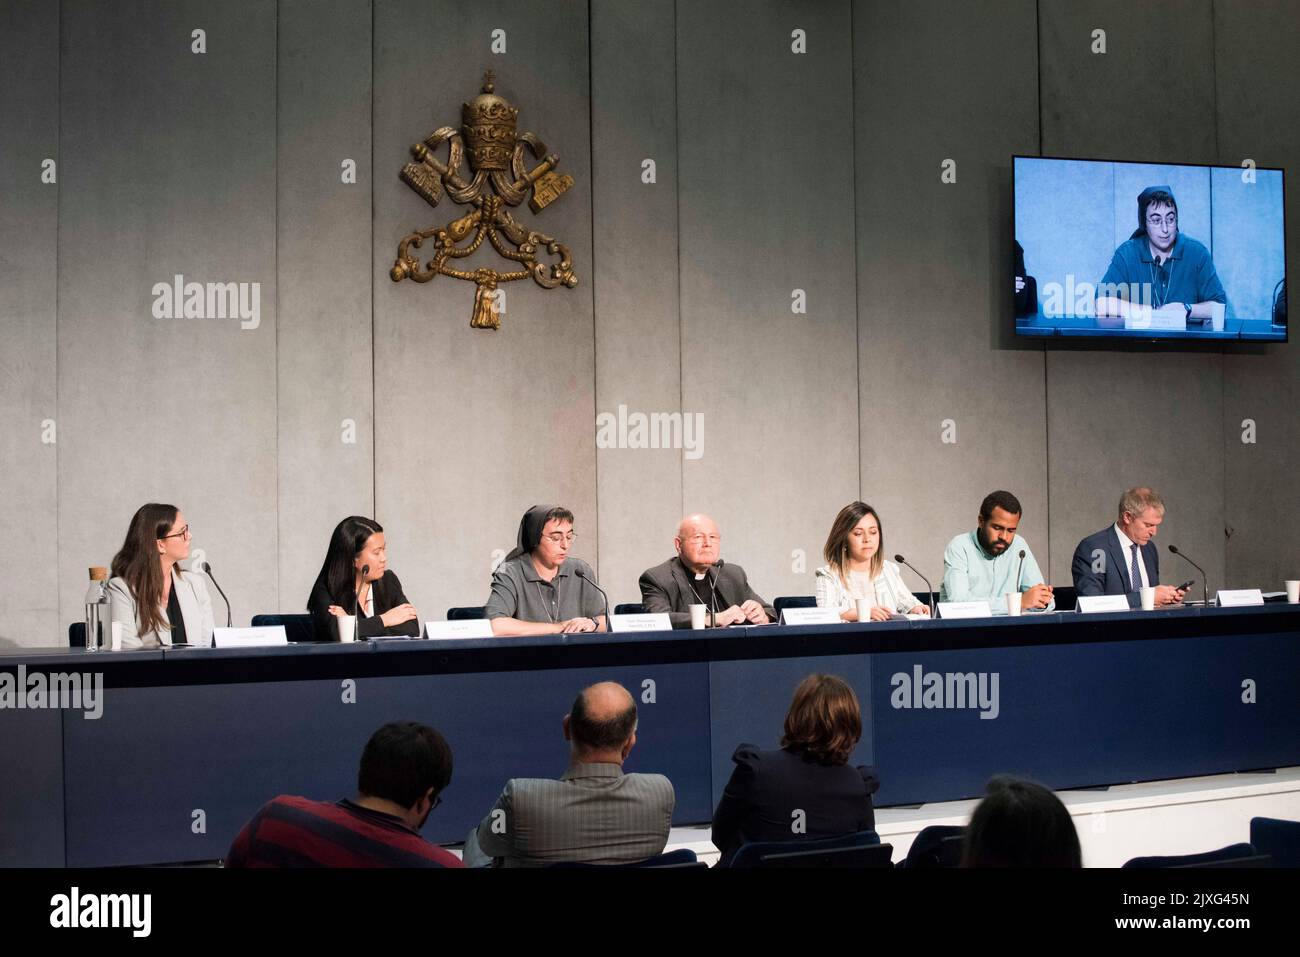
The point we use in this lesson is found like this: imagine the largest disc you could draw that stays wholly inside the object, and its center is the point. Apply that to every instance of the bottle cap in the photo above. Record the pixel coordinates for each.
(98, 573)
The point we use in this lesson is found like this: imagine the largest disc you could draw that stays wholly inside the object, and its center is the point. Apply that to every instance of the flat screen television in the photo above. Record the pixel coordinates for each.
(1148, 251)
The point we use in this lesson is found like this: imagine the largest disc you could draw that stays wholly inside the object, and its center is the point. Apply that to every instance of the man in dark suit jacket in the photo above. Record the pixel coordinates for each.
(1122, 559)
(697, 576)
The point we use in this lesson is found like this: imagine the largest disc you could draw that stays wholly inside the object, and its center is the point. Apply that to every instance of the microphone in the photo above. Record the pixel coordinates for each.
(587, 578)
(903, 561)
(713, 594)
(1021, 570)
(207, 570)
(356, 595)
(1205, 584)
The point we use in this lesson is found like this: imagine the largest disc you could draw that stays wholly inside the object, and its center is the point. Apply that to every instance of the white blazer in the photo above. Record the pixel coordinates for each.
(196, 610)
(887, 587)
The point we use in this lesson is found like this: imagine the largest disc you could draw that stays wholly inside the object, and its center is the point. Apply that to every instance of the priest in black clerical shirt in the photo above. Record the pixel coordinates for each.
(697, 576)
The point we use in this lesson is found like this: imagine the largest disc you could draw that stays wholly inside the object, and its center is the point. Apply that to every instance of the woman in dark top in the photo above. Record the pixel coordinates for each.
(355, 580)
(807, 789)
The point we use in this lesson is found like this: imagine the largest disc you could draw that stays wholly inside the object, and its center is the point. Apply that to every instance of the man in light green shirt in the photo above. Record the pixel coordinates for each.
(986, 564)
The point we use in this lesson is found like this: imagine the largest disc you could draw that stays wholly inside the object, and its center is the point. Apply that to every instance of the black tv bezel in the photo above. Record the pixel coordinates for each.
(1124, 340)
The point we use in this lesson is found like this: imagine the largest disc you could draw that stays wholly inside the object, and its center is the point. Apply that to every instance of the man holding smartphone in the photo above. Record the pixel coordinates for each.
(1123, 559)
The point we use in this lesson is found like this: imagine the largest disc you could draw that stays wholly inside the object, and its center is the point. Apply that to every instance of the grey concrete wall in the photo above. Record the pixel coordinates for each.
(952, 407)
(29, 135)
(324, 350)
(1119, 417)
(775, 171)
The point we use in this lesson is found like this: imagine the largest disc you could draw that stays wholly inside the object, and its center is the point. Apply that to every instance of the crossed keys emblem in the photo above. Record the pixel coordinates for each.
(496, 159)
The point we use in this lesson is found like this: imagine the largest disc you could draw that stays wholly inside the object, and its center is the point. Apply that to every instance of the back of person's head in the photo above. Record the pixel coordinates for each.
(824, 722)
(1020, 824)
(402, 760)
(603, 718)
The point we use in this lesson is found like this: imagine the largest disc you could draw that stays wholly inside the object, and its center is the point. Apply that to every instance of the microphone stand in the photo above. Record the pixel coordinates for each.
(903, 561)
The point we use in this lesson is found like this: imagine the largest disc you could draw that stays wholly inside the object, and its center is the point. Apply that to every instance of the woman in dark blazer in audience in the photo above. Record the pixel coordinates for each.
(341, 588)
(809, 774)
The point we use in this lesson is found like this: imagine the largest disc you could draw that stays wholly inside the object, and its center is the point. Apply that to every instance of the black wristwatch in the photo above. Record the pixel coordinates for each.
(1189, 309)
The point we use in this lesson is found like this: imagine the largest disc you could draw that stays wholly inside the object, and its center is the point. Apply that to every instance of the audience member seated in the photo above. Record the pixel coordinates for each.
(1020, 824)
(594, 814)
(404, 770)
(805, 790)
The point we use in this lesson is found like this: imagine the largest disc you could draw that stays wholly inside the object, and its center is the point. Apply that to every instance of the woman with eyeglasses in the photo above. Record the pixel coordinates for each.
(539, 589)
(156, 602)
(355, 580)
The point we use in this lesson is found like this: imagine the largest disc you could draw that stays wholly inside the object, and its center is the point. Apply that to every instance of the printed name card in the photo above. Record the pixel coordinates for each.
(265, 636)
(466, 628)
(1240, 597)
(965, 609)
(658, 621)
(1089, 604)
(810, 616)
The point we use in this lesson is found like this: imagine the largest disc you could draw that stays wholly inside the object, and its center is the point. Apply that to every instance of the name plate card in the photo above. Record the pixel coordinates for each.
(656, 621)
(1089, 604)
(1239, 598)
(467, 628)
(810, 616)
(965, 609)
(265, 636)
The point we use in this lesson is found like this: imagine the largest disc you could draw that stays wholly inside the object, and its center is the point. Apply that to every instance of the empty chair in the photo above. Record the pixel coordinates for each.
(1223, 854)
(77, 634)
(938, 845)
(682, 858)
(1278, 839)
(824, 852)
(794, 601)
(466, 612)
(629, 608)
(296, 627)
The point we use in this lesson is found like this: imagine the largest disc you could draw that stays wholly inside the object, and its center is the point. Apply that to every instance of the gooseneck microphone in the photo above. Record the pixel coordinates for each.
(587, 578)
(1021, 570)
(356, 595)
(1205, 583)
(207, 570)
(903, 561)
(713, 595)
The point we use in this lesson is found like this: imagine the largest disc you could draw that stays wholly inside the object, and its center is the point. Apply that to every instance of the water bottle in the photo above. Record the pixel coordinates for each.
(99, 612)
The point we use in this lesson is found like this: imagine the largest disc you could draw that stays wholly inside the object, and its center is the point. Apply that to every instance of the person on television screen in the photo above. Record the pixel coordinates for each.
(1026, 296)
(1160, 269)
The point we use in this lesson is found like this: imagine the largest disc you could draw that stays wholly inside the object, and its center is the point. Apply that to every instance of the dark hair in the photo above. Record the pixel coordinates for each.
(338, 573)
(559, 513)
(597, 735)
(1003, 500)
(1020, 823)
(824, 721)
(836, 551)
(402, 760)
(136, 563)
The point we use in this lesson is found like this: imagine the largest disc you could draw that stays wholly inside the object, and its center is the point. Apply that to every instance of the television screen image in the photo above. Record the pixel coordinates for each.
(1148, 251)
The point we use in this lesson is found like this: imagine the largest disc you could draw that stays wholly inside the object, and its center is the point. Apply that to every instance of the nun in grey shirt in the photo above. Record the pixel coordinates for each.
(539, 589)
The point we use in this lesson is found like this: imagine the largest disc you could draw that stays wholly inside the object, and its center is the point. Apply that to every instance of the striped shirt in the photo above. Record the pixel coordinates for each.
(295, 832)
(594, 814)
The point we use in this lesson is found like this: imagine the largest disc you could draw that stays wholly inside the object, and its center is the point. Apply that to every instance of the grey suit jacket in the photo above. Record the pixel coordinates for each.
(196, 609)
(667, 587)
(595, 814)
